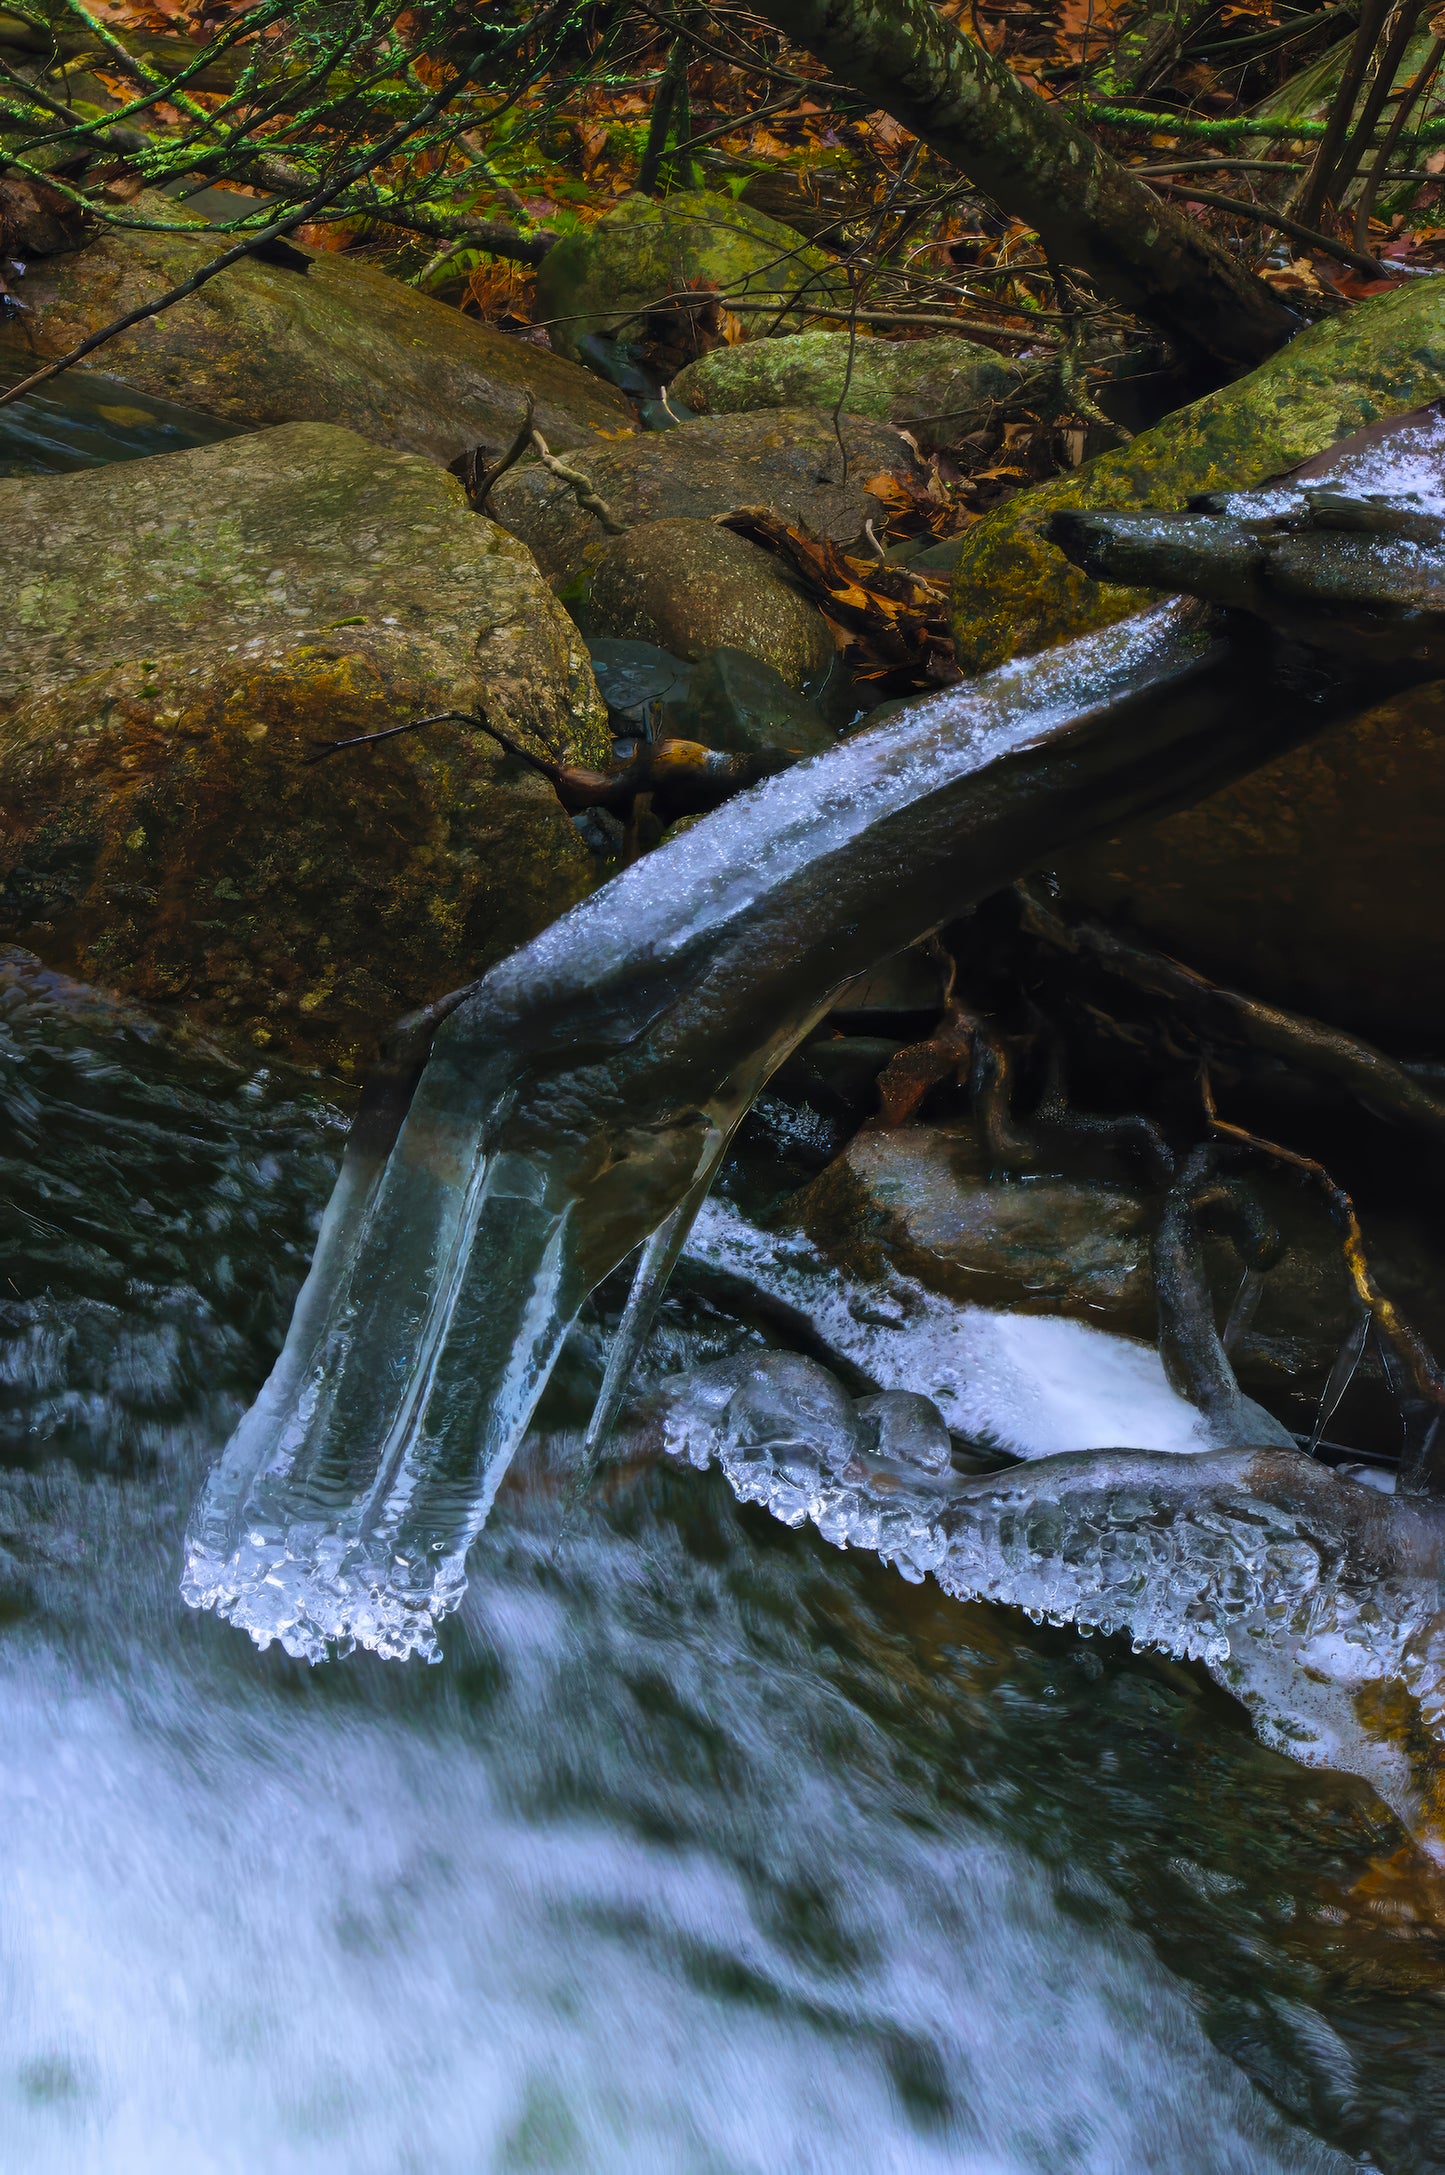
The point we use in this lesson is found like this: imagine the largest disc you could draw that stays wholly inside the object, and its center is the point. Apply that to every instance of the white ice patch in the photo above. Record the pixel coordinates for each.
(1408, 464)
(1034, 1384)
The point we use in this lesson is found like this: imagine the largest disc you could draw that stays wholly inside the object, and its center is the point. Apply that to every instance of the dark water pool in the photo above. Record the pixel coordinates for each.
(86, 418)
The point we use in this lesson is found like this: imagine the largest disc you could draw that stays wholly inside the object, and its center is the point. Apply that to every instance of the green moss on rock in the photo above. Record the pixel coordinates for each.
(341, 343)
(186, 629)
(1015, 593)
(604, 278)
(937, 389)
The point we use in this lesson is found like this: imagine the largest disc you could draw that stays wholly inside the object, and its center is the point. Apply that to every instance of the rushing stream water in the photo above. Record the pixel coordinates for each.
(707, 1846)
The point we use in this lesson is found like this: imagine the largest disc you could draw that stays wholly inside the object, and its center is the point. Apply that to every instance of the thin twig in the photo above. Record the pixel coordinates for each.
(582, 487)
(1419, 1361)
(841, 401)
(1295, 228)
(1387, 67)
(1315, 191)
(276, 231)
(1374, 1080)
(1370, 188)
(479, 487)
(324, 748)
(743, 306)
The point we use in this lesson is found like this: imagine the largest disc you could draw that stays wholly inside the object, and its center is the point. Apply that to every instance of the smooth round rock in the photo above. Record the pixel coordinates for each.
(692, 588)
(788, 459)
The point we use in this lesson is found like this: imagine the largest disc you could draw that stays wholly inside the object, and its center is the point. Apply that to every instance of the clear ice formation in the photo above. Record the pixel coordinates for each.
(1299, 1589)
(1029, 1384)
(573, 1106)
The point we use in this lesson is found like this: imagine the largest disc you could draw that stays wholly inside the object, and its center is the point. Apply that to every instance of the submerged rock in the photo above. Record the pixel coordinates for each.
(736, 702)
(786, 458)
(939, 390)
(1074, 1239)
(925, 1197)
(691, 587)
(339, 343)
(187, 629)
(649, 249)
(1015, 592)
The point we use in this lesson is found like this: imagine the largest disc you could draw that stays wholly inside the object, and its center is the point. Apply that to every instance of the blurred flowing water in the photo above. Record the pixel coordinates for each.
(86, 419)
(707, 1847)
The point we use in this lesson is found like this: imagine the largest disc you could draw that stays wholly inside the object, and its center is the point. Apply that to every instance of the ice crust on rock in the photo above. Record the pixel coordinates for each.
(1033, 1384)
(1279, 1576)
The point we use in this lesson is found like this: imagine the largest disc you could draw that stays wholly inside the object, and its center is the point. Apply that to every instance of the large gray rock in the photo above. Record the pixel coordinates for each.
(649, 249)
(340, 343)
(184, 631)
(691, 588)
(939, 390)
(788, 459)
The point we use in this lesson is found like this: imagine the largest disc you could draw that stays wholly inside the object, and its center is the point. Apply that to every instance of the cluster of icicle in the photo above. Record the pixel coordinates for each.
(1179, 1553)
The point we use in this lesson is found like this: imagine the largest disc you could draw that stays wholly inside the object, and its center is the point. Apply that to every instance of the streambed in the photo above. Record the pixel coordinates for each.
(707, 1846)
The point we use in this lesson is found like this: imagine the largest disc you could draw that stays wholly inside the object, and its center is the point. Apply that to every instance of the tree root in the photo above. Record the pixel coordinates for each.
(1376, 1081)
(582, 488)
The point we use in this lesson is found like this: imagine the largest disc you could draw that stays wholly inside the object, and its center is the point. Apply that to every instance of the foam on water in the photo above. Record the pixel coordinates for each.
(1034, 1384)
(265, 1935)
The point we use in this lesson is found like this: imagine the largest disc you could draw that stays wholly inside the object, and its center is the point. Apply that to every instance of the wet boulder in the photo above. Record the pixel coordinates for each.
(1316, 882)
(335, 342)
(690, 587)
(1015, 592)
(925, 1197)
(938, 390)
(185, 632)
(1073, 1237)
(786, 458)
(650, 250)
(736, 702)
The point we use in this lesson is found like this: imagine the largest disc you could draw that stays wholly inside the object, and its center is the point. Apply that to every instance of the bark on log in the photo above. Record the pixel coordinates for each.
(1033, 161)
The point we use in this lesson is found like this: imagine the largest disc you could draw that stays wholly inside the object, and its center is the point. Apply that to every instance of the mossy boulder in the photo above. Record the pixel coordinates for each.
(339, 343)
(939, 390)
(786, 458)
(690, 587)
(1014, 592)
(184, 632)
(648, 249)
